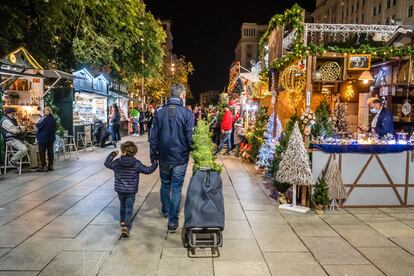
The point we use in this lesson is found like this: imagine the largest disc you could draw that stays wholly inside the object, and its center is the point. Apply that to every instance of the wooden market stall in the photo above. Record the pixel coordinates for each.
(310, 63)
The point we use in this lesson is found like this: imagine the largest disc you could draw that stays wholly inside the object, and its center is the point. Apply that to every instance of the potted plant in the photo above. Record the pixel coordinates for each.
(320, 197)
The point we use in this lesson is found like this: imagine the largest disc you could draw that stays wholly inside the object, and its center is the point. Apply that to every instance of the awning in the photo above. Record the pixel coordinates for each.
(56, 74)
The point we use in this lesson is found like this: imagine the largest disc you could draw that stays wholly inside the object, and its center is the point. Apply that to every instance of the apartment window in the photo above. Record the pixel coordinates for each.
(346, 12)
(357, 5)
(394, 2)
(249, 46)
(357, 20)
(410, 11)
(388, 4)
(362, 18)
(375, 11)
(342, 15)
(352, 9)
(363, 2)
(387, 21)
(379, 8)
(248, 55)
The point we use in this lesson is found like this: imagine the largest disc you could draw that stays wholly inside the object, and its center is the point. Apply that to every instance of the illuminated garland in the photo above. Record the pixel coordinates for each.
(300, 51)
(293, 16)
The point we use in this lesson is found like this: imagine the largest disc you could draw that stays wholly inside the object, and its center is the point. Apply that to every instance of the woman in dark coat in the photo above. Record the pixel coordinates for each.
(115, 124)
(46, 133)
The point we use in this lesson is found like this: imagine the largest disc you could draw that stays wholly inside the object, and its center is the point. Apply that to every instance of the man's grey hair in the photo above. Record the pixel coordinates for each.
(177, 90)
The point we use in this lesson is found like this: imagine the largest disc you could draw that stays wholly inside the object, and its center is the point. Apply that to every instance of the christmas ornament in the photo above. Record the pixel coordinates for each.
(406, 108)
(330, 71)
(349, 92)
(293, 79)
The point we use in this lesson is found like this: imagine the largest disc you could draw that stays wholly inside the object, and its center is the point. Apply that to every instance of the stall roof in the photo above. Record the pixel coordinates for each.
(57, 74)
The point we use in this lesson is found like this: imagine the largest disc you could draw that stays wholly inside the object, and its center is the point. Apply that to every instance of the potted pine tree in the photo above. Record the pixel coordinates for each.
(320, 197)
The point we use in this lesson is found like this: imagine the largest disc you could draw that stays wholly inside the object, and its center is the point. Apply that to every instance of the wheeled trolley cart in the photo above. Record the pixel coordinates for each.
(204, 213)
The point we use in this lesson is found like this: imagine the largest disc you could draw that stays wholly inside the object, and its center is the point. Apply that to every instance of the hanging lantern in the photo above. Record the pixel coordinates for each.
(366, 77)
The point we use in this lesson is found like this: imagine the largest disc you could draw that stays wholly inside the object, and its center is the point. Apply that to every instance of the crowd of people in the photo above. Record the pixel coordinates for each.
(15, 137)
(170, 130)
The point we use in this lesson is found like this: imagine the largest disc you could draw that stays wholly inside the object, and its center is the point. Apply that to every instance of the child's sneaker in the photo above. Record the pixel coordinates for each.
(125, 232)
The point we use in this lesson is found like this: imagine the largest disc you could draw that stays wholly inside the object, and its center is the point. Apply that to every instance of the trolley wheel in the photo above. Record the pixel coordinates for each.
(184, 238)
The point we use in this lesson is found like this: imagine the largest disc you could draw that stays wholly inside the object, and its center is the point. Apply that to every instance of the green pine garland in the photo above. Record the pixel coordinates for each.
(203, 148)
(294, 17)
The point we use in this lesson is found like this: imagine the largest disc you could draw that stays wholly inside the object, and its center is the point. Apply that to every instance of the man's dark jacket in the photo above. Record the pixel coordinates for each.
(46, 130)
(385, 123)
(172, 133)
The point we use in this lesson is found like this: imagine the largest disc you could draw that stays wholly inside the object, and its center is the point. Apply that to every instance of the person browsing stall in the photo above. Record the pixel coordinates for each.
(382, 124)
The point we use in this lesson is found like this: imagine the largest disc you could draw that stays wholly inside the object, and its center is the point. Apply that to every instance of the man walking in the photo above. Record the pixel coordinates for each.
(226, 130)
(170, 142)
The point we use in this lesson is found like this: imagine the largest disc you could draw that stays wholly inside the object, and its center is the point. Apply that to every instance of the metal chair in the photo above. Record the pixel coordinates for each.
(85, 137)
(70, 146)
(9, 152)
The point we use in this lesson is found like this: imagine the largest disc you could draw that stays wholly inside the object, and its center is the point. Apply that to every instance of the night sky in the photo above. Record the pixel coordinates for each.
(207, 32)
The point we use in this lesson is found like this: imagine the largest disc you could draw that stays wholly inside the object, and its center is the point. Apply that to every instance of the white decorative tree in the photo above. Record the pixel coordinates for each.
(295, 168)
(267, 150)
(336, 188)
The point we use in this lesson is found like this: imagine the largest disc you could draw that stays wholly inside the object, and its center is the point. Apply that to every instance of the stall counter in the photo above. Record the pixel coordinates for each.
(374, 175)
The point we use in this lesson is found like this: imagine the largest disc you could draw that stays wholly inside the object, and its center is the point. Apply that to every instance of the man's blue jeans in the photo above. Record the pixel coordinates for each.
(225, 138)
(172, 179)
(126, 201)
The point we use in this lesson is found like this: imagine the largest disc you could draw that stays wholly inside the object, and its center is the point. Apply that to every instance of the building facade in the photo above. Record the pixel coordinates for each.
(247, 49)
(364, 12)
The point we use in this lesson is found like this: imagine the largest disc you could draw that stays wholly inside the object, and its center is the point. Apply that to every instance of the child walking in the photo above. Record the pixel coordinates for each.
(126, 170)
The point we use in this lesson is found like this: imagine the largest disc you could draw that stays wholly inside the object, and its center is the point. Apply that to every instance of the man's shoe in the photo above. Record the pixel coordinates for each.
(125, 232)
(50, 168)
(13, 164)
(42, 169)
(163, 215)
(172, 228)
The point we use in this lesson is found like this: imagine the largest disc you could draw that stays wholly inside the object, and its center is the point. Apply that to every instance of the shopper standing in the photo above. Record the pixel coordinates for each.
(115, 123)
(141, 122)
(46, 135)
(149, 116)
(170, 143)
(226, 130)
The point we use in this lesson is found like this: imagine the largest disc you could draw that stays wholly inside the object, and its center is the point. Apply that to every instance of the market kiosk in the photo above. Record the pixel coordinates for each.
(90, 100)
(304, 71)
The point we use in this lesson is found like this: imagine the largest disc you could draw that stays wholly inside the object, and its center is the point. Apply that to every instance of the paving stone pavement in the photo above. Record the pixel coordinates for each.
(66, 223)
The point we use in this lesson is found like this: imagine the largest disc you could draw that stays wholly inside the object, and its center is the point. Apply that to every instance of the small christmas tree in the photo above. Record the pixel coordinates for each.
(256, 138)
(281, 147)
(294, 168)
(323, 125)
(339, 122)
(320, 194)
(203, 148)
(267, 150)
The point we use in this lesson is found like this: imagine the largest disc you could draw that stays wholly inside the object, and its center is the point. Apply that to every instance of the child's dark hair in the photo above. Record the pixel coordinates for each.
(129, 148)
